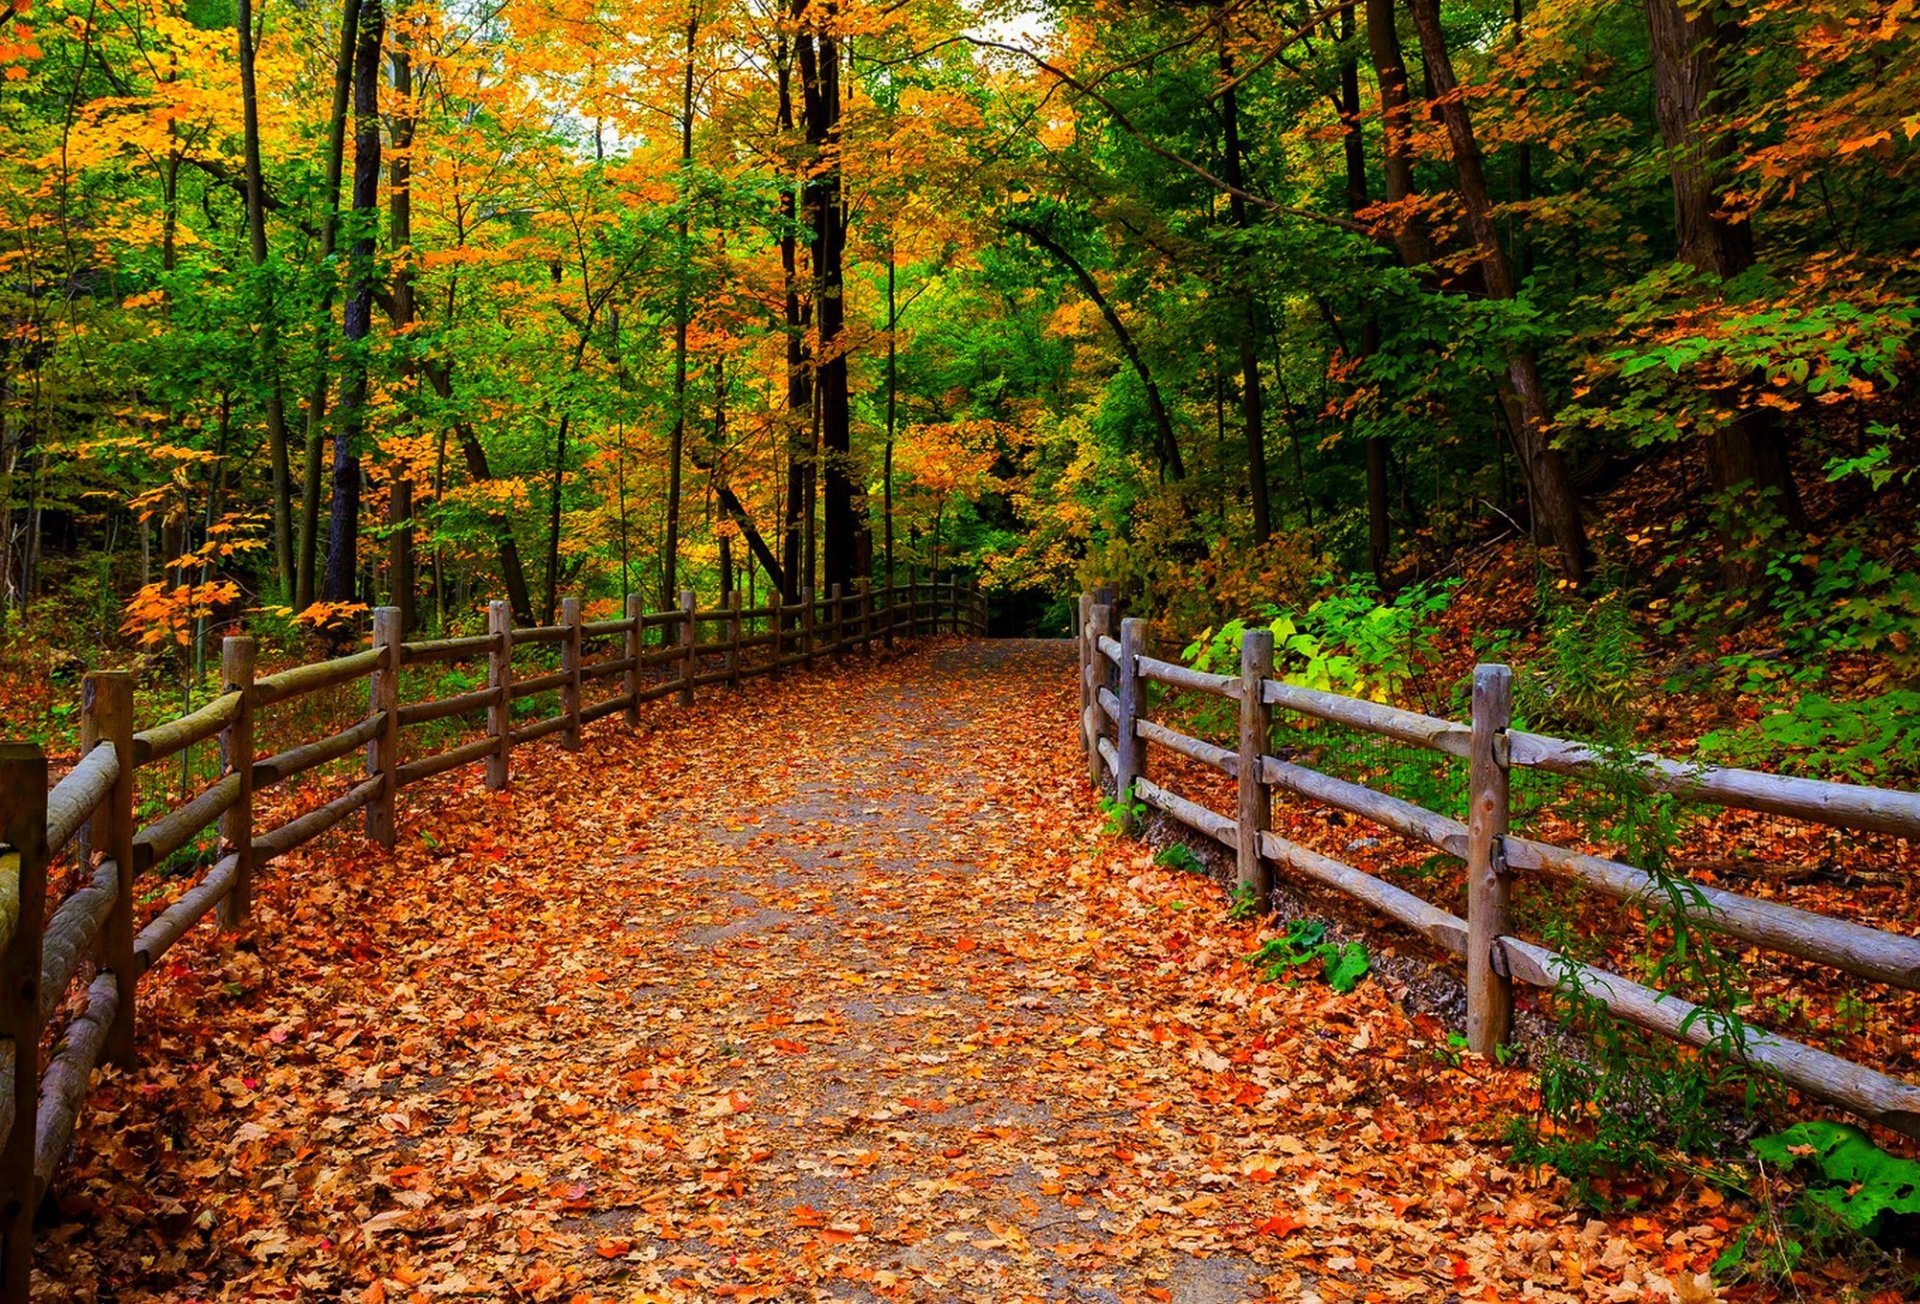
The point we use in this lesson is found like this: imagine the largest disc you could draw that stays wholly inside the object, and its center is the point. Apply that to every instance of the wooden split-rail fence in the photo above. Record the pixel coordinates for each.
(1116, 731)
(42, 1088)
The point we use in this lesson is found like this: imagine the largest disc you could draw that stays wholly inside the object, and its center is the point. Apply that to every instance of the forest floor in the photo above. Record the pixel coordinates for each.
(839, 994)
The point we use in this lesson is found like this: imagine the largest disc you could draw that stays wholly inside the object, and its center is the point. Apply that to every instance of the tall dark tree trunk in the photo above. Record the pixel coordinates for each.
(343, 524)
(798, 322)
(329, 235)
(1554, 504)
(1252, 407)
(1747, 457)
(819, 49)
(893, 403)
(1396, 117)
(400, 539)
(1379, 527)
(269, 341)
(677, 441)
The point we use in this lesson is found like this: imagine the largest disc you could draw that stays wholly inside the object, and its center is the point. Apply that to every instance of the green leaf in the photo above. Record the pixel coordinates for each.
(1346, 966)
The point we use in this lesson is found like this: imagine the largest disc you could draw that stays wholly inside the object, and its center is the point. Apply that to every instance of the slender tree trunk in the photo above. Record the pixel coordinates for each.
(513, 572)
(400, 539)
(1747, 456)
(1555, 504)
(344, 517)
(1252, 407)
(276, 410)
(329, 234)
(550, 598)
(798, 322)
(670, 556)
(1379, 526)
(1396, 117)
(1167, 446)
(893, 403)
(819, 51)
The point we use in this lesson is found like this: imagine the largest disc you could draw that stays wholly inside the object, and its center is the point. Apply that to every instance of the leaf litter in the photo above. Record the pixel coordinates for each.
(833, 991)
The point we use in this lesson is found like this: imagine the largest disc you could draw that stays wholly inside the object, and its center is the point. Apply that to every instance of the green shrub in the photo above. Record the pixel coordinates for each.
(1342, 964)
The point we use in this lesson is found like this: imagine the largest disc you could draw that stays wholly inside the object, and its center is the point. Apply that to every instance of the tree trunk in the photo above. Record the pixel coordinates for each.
(1396, 117)
(329, 229)
(344, 518)
(550, 599)
(1252, 410)
(893, 400)
(819, 51)
(400, 539)
(1167, 446)
(670, 553)
(798, 321)
(1379, 528)
(276, 410)
(1554, 503)
(512, 571)
(1746, 458)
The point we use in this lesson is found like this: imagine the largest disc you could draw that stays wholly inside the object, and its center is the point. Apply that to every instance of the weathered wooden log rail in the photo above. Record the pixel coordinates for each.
(40, 954)
(1115, 731)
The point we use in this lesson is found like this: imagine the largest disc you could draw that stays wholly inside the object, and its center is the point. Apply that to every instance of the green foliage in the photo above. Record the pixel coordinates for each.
(1122, 813)
(1347, 641)
(1342, 964)
(1878, 465)
(1867, 741)
(1589, 669)
(1179, 856)
(1627, 1102)
(1861, 1187)
(1244, 905)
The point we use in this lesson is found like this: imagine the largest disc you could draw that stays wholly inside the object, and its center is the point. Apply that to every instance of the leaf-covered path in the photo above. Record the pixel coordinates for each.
(834, 992)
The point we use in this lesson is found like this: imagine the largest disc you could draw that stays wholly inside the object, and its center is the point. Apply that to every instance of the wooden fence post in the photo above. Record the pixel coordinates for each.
(1099, 625)
(1254, 875)
(500, 681)
(839, 601)
(775, 625)
(236, 826)
(636, 639)
(1129, 747)
(23, 878)
(570, 663)
(106, 716)
(736, 630)
(383, 753)
(1082, 644)
(806, 624)
(1489, 890)
(687, 636)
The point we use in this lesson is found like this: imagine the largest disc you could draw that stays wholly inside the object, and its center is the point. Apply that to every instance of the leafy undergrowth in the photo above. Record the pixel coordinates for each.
(840, 996)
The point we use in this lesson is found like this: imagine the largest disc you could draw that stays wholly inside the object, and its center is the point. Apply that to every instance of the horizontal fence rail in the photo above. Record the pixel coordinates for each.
(42, 1090)
(1115, 732)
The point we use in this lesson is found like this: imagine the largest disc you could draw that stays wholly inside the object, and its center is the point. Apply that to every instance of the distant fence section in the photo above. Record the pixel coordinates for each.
(646, 655)
(1115, 672)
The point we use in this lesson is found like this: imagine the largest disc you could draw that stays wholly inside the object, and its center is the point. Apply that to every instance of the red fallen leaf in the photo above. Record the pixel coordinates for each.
(790, 1046)
(1460, 1270)
(966, 943)
(1280, 1224)
(808, 1216)
(612, 1249)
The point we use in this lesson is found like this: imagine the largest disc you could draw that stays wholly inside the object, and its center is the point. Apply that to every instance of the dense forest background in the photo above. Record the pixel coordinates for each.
(311, 307)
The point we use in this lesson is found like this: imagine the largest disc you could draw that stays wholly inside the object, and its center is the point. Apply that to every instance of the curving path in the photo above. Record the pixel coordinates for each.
(833, 993)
